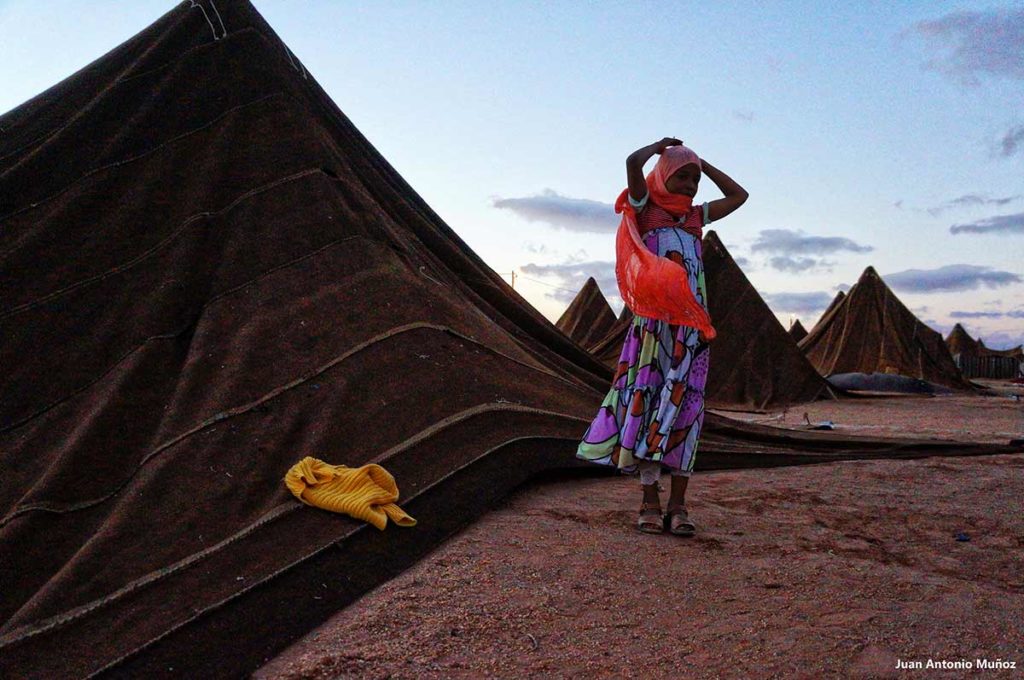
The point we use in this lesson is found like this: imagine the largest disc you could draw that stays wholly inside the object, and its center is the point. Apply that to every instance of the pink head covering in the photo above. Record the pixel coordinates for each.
(672, 158)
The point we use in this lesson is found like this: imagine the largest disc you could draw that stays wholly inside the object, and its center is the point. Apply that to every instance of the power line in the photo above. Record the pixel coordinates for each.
(543, 283)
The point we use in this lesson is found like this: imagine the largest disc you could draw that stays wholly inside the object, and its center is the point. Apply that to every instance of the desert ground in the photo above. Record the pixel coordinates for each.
(829, 570)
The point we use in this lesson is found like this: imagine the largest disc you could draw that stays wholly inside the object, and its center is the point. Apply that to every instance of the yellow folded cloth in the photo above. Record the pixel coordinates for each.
(367, 493)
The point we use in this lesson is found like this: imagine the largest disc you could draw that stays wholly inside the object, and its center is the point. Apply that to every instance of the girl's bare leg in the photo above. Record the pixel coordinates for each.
(677, 498)
(651, 496)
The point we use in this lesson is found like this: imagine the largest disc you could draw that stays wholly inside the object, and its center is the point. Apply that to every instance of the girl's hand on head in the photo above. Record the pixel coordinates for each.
(665, 143)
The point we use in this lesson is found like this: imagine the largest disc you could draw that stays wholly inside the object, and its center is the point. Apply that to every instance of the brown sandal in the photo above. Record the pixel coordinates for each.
(678, 522)
(650, 521)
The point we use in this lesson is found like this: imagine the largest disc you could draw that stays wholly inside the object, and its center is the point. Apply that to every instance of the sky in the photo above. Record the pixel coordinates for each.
(868, 133)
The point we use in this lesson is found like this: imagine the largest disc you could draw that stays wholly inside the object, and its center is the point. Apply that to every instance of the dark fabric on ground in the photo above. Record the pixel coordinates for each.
(206, 274)
(885, 382)
(871, 331)
(588, 317)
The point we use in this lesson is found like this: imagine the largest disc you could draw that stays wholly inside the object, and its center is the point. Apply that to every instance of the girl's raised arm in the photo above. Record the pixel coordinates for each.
(735, 195)
(635, 165)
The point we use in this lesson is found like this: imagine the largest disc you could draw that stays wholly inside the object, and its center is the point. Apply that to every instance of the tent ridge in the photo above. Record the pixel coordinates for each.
(101, 94)
(131, 159)
(157, 246)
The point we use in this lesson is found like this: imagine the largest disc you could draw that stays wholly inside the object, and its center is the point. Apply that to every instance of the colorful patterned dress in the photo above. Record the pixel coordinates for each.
(655, 407)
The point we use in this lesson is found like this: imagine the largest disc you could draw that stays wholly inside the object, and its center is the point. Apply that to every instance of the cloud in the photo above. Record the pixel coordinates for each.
(1012, 314)
(797, 303)
(796, 265)
(898, 204)
(746, 116)
(951, 277)
(571, 214)
(845, 287)
(743, 263)
(790, 242)
(1002, 339)
(572, 275)
(1012, 140)
(1010, 224)
(971, 200)
(972, 44)
(975, 315)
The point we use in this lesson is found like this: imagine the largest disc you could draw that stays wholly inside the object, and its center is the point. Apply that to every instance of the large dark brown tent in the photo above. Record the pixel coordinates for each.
(754, 362)
(871, 331)
(207, 274)
(797, 331)
(588, 317)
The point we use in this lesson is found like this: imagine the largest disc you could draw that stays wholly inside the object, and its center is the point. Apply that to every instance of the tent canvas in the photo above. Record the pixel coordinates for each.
(588, 317)
(755, 363)
(797, 331)
(209, 273)
(871, 331)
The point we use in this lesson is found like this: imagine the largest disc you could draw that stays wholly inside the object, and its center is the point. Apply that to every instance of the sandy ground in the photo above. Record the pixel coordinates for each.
(967, 418)
(832, 570)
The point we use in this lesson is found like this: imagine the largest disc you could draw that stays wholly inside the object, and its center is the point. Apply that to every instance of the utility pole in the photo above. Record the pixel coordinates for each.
(513, 279)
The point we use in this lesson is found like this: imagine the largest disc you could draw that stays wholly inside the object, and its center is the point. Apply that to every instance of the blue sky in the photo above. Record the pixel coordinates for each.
(870, 133)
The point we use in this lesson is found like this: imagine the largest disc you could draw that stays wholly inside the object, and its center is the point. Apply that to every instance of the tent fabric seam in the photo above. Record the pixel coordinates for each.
(162, 336)
(87, 106)
(245, 408)
(273, 514)
(275, 574)
(132, 159)
(128, 264)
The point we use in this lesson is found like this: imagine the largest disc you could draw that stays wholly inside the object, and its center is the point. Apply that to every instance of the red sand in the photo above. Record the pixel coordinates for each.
(824, 570)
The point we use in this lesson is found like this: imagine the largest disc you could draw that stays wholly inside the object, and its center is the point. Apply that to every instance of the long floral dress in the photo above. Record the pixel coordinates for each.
(654, 409)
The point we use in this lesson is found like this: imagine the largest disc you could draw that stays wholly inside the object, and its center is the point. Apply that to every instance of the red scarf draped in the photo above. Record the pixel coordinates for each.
(653, 286)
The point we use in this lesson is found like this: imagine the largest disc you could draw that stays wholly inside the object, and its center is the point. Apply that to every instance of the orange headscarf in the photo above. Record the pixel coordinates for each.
(654, 286)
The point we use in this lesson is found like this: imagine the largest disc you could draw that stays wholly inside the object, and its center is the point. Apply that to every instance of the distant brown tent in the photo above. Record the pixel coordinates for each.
(588, 317)
(840, 296)
(744, 374)
(797, 331)
(207, 274)
(975, 360)
(755, 363)
(871, 331)
(960, 341)
(608, 348)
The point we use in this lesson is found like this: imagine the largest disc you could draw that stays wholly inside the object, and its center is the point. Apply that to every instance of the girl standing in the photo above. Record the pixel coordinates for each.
(653, 413)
